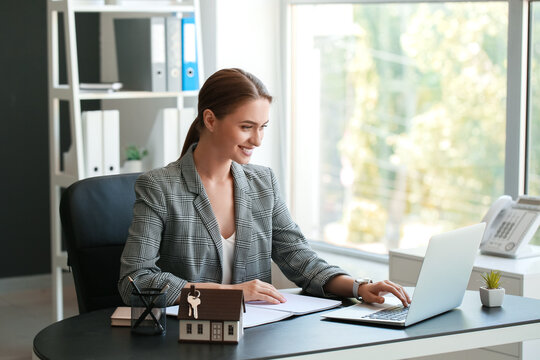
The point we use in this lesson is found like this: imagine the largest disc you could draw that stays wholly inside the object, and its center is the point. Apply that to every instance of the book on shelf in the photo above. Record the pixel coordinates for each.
(111, 142)
(174, 53)
(260, 312)
(101, 143)
(190, 61)
(92, 131)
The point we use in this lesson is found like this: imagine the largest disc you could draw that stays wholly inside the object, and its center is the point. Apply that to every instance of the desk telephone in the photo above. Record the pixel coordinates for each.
(510, 227)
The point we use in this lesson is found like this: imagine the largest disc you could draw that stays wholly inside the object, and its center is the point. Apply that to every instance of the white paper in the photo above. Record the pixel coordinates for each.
(261, 312)
(172, 310)
(255, 316)
(298, 304)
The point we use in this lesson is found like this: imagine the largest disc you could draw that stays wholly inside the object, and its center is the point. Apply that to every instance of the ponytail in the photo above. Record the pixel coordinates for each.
(192, 136)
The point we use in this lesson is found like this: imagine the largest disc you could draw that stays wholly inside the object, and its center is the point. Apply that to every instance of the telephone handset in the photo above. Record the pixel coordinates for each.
(510, 225)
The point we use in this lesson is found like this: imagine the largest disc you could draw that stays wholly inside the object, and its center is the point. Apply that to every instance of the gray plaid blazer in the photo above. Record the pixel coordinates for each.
(174, 237)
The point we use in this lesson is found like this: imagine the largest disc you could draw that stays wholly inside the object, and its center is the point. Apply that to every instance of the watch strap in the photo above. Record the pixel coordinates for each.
(357, 283)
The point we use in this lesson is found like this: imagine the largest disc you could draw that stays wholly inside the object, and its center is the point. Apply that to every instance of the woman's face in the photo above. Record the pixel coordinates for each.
(240, 132)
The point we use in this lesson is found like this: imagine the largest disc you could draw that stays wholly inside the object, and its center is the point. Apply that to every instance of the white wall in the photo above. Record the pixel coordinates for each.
(248, 37)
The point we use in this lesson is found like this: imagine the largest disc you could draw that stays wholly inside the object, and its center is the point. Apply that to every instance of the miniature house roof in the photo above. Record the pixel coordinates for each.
(216, 304)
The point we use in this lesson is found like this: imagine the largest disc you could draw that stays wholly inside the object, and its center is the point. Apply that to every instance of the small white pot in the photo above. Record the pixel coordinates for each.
(132, 166)
(491, 297)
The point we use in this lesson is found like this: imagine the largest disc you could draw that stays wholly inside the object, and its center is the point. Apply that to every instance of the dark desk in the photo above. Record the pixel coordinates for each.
(469, 326)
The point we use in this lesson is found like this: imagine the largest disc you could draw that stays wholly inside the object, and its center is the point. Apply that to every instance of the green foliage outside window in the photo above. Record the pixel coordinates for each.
(422, 96)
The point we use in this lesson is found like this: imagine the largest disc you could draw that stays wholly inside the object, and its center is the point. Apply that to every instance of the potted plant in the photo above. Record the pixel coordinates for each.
(491, 294)
(134, 156)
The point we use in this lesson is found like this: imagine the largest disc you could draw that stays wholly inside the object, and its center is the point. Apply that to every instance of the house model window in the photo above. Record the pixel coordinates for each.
(217, 315)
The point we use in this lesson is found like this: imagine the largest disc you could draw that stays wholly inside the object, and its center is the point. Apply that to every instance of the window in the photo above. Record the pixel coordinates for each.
(199, 329)
(533, 173)
(231, 330)
(398, 119)
(534, 107)
(188, 328)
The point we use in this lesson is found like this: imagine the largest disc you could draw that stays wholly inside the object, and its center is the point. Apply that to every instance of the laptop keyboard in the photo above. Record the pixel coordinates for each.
(396, 313)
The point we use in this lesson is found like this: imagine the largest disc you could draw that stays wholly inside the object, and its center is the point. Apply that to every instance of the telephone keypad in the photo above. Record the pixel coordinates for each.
(506, 227)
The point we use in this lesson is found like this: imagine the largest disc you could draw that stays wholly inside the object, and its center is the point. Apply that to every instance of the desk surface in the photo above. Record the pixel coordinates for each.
(91, 336)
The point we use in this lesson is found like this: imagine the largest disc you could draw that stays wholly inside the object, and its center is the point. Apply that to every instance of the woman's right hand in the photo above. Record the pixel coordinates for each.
(260, 290)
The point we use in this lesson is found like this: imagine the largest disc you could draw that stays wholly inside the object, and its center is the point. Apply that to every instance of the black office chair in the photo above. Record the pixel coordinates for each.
(96, 214)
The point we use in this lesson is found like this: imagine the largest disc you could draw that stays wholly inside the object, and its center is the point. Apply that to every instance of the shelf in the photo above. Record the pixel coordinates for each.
(63, 92)
(89, 95)
(125, 6)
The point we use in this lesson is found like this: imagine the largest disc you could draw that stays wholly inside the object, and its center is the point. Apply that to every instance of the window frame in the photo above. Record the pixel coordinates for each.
(515, 164)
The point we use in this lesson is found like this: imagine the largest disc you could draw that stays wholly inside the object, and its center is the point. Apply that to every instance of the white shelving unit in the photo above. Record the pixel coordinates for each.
(71, 94)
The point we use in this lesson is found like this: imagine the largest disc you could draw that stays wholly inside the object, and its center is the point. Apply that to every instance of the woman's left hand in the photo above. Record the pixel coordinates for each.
(372, 293)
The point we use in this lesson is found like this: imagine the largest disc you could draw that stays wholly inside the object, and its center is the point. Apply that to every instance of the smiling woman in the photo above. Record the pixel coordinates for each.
(220, 96)
(213, 220)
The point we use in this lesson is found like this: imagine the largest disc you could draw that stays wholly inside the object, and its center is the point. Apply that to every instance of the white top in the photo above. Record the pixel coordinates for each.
(228, 257)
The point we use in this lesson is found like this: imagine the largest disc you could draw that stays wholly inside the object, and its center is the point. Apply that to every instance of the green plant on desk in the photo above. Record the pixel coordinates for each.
(133, 161)
(135, 153)
(492, 280)
(492, 294)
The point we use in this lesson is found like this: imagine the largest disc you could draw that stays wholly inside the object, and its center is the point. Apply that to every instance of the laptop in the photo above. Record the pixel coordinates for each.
(441, 285)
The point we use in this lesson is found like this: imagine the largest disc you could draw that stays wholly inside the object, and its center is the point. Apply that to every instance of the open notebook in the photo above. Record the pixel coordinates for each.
(260, 312)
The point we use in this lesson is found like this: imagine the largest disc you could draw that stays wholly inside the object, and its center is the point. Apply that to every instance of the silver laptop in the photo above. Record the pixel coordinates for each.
(442, 282)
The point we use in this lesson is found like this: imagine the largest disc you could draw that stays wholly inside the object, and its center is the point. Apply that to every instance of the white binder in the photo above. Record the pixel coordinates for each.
(163, 146)
(92, 129)
(174, 53)
(159, 54)
(111, 142)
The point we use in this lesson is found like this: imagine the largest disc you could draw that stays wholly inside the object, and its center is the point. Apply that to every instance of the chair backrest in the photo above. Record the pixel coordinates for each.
(96, 214)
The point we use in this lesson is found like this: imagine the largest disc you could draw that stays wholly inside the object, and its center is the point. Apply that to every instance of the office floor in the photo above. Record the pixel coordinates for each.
(25, 309)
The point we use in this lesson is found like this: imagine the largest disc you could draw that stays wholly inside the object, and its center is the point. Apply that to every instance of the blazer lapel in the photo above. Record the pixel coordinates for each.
(243, 219)
(201, 202)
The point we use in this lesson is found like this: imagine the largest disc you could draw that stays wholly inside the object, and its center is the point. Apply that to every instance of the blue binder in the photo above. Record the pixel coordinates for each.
(190, 61)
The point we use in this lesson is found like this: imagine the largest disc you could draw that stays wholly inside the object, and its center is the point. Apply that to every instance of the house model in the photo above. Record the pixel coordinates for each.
(211, 315)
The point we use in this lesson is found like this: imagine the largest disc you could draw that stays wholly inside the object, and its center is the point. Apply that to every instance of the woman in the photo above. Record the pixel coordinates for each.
(212, 219)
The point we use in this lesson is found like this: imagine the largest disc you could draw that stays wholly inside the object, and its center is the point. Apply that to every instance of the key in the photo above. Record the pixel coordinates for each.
(193, 302)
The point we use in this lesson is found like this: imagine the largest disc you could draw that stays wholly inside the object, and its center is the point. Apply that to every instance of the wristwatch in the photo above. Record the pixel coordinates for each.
(357, 283)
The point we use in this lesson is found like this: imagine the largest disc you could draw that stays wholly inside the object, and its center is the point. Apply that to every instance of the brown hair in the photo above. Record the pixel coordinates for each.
(222, 93)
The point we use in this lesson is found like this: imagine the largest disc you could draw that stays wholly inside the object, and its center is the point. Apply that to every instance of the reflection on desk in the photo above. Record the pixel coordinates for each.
(469, 326)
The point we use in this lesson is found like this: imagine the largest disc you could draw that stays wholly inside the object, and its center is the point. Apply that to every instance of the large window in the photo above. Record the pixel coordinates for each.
(399, 119)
